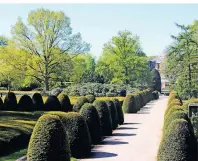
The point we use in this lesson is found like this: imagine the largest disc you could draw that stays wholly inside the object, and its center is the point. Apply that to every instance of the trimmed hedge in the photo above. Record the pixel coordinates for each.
(79, 103)
(49, 141)
(25, 103)
(65, 102)
(91, 98)
(120, 115)
(78, 133)
(38, 102)
(130, 104)
(10, 102)
(105, 117)
(169, 112)
(90, 114)
(172, 96)
(52, 104)
(1, 104)
(155, 95)
(114, 114)
(178, 144)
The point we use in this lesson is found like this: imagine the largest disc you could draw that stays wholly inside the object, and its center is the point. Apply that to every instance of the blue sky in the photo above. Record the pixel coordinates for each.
(97, 23)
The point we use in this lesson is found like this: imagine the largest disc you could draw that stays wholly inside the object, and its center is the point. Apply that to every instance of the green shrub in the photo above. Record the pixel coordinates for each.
(91, 98)
(49, 141)
(10, 102)
(120, 115)
(172, 96)
(52, 104)
(129, 104)
(178, 144)
(114, 114)
(78, 133)
(25, 103)
(1, 104)
(79, 103)
(65, 102)
(90, 114)
(155, 95)
(105, 117)
(38, 102)
(138, 102)
(178, 114)
(171, 110)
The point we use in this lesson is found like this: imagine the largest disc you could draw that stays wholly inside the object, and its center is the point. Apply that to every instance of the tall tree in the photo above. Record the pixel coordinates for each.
(49, 43)
(156, 80)
(122, 59)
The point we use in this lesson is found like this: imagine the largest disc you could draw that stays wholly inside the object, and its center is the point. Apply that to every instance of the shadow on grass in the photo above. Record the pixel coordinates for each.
(99, 154)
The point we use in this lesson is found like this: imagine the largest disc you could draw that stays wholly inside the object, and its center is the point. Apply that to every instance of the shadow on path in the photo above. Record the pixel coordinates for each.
(123, 134)
(99, 154)
(131, 123)
(126, 128)
(108, 142)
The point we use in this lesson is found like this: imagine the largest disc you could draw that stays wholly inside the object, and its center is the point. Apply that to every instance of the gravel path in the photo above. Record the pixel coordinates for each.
(138, 139)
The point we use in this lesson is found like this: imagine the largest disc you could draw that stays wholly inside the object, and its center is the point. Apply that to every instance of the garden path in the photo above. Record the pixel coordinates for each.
(138, 139)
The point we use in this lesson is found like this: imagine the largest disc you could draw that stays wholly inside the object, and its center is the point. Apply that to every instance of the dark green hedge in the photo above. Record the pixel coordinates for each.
(120, 114)
(49, 141)
(10, 102)
(52, 104)
(78, 133)
(65, 102)
(79, 103)
(25, 103)
(91, 98)
(38, 102)
(105, 117)
(1, 104)
(114, 114)
(90, 114)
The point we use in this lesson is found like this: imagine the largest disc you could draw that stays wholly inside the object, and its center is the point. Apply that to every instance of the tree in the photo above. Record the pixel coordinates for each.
(49, 43)
(122, 59)
(156, 80)
(3, 41)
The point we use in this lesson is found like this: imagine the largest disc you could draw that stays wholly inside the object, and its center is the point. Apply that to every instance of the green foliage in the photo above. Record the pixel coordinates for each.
(178, 143)
(10, 102)
(123, 60)
(38, 102)
(130, 104)
(114, 113)
(155, 95)
(186, 103)
(120, 115)
(156, 80)
(65, 102)
(49, 140)
(79, 103)
(90, 114)
(172, 109)
(52, 104)
(78, 133)
(91, 98)
(105, 117)
(25, 104)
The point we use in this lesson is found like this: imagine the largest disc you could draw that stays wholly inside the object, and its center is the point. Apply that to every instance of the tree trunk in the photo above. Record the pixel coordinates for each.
(46, 75)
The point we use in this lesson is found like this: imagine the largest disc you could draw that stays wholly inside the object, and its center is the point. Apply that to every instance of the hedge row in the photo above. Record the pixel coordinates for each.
(133, 102)
(26, 103)
(82, 129)
(178, 142)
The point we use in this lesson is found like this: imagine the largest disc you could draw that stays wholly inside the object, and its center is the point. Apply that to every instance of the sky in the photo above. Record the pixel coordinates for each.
(97, 23)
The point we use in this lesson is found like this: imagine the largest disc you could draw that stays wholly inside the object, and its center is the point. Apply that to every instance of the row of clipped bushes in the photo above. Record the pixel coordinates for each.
(178, 141)
(73, 133)
(133, 102)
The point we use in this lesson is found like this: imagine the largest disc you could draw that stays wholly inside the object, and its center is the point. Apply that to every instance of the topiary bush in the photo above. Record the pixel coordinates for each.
(120, 115)
(178, 144)
(10, 102)
(65, 102)
(155, 95)
(78, 133)
(169, 112)
(38, 102)
(172, 96)
(90, 114)
(178, 114)
(25, 103)
(79, 103)
(1, 104)
(52, 104)
(91, 98)
(49, 141)
(129, 104)
(114, 115)
(105, 117)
